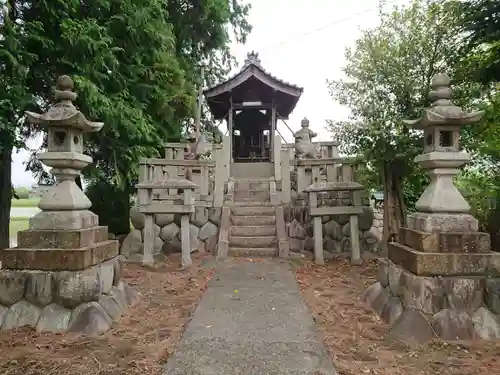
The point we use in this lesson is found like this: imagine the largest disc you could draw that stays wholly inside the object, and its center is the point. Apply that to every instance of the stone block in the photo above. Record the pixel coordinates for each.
(392, 310)
(90, 319)
(486, 324)
(421, 293)
(383, 271)
(432, 222)
(64, 220)
(73, 288)
(463, 293)
(22, 313)
(453, 324)
(443, 264)
(412, 328)
(492, 297)
(39, 287)
(61, 239)
(132, 243)
(12, 286)
(59, 259)
(445, 242)
(54, 318)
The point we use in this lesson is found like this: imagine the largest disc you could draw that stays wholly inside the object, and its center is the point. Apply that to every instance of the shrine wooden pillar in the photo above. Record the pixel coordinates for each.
(273, 129)
(230, 127)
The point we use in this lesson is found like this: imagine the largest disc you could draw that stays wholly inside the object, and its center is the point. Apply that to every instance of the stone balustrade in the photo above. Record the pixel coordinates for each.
(208, 199)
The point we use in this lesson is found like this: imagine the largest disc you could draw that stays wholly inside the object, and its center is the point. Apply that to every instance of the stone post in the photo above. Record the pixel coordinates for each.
(65, 275)
(434, 280)
(150, 205)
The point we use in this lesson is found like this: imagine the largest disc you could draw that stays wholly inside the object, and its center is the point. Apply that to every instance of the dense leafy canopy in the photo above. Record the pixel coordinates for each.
(388, 73)
(136, 65)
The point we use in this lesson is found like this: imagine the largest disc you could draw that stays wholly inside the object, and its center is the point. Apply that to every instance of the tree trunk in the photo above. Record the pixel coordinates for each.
(394, 207)
(5, 195)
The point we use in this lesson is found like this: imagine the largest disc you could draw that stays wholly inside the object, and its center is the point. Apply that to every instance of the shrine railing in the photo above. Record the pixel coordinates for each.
(210, 175)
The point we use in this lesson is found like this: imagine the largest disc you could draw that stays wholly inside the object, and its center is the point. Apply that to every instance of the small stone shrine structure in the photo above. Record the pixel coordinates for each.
(250, 197)
(441, 278)
(65, 275)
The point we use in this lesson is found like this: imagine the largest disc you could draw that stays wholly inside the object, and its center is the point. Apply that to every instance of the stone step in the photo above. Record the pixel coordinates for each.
(253, 220)
(251, 185)
(252, 194)
(249, 203)
(254, 241)
(253, 211)
(252, 230)
(252, 252)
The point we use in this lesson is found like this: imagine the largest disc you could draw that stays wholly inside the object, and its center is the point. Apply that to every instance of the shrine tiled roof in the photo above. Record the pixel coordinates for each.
(252, 66)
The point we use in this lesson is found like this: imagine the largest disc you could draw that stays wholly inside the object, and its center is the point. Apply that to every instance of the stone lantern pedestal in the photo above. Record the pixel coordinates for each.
(64, 275)
(440, 278)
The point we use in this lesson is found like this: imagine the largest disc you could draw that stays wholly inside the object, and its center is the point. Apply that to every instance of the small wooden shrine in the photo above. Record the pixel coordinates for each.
(251, 101)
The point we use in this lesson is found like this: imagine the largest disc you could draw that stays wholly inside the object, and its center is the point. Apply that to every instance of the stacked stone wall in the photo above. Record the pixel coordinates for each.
(204, 232)
(336, 228)
(85, 301)
(419, 307)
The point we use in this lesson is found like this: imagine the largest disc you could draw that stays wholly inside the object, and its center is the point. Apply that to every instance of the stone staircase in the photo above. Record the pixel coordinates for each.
(252, 230)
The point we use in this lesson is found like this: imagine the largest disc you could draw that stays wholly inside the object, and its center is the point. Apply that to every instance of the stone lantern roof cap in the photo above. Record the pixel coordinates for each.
(442, 111)
(63, 113)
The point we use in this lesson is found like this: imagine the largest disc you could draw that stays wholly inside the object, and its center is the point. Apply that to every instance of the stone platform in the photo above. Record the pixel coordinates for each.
(251, 320)
(86, 301)
(420, 308)
(444, 253)
(63, 280)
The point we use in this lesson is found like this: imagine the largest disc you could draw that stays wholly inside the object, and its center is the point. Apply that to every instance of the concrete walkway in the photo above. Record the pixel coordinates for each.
(252, 321)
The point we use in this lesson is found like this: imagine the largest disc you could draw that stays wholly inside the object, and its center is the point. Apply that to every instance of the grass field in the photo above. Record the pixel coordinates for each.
(25, 202)
(17, 224)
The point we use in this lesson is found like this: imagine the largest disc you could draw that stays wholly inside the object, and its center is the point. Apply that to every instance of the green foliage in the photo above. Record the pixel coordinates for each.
(480, 21)
(111, 203)
(388, 74)
(480, 191)
(135, 64)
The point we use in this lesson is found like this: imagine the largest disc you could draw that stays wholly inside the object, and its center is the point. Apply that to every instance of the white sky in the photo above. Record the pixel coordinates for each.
(301, 42)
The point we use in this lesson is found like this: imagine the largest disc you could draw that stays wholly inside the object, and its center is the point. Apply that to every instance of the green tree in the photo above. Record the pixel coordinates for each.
(481, 26)
(387, 78)
(135, 64)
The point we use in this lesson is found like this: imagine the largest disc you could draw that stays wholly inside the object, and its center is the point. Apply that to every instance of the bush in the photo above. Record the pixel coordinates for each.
(23, 192)
(112, 204)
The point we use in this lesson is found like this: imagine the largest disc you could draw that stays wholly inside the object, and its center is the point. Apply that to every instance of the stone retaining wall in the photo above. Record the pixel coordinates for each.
(86, 301)
(336, 229)
(419, 308)
(204, 231)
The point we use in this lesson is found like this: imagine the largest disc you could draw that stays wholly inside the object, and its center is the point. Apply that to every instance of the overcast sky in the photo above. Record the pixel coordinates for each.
(301, 42)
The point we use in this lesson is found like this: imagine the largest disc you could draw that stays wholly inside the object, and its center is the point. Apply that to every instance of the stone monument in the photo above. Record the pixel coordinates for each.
(435, 281)
(304, 148)
(64, 275)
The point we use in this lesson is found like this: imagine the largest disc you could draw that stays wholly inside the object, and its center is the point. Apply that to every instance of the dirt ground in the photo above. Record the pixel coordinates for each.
(355, 336)
(139, 343)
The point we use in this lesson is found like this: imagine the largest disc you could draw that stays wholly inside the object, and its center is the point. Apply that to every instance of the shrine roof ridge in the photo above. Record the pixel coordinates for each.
(252, 65)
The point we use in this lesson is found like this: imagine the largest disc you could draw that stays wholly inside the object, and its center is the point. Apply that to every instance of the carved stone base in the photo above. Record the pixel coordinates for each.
(420, 308)
(85, 301)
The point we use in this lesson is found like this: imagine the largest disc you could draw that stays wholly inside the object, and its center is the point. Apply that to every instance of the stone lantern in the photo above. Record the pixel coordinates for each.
(65, 274)
(433, 282)
(442, 157)
(65, 206)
